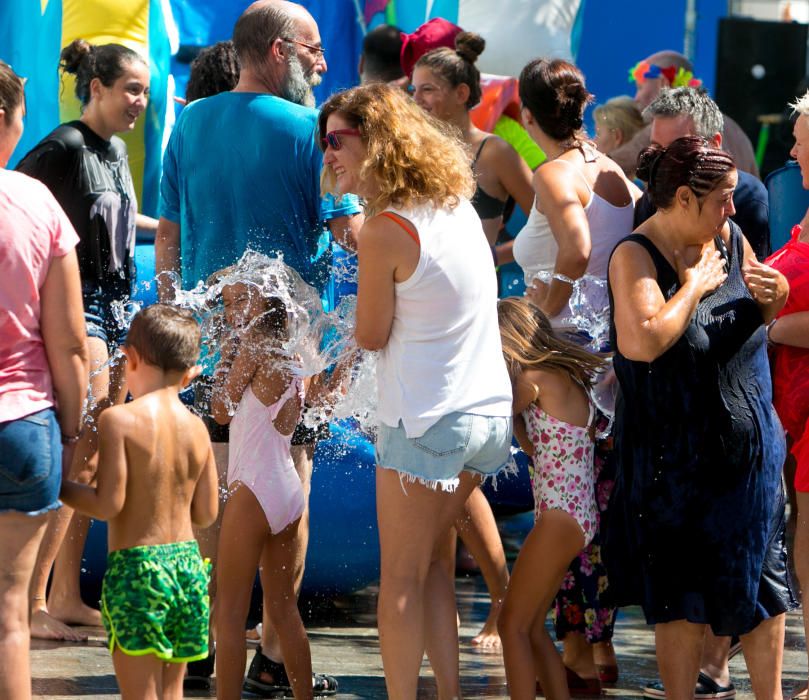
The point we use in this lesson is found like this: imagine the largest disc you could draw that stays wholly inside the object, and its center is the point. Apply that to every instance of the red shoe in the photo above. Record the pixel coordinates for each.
(577, 686)
(582, 687)
(608, 674)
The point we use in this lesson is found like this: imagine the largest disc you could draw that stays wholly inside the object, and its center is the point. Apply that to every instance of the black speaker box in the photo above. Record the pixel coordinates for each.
(760, 66)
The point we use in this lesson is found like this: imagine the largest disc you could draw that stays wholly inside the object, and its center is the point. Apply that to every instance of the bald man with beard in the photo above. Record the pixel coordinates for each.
(242, 172)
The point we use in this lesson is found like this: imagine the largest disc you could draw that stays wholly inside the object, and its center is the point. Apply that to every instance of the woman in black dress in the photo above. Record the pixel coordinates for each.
(85, 165)
(698, 443)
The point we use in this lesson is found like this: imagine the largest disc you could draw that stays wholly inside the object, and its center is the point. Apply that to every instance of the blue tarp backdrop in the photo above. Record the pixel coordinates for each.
(609, 37)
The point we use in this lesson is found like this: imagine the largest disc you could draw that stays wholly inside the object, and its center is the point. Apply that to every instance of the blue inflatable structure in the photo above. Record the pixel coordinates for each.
(343, 546)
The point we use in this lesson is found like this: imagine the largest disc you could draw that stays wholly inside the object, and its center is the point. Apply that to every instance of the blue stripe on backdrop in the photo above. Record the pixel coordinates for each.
(341, 33)
(615, 35)
(159, 64)
(706, 40)
(575, 33)
(619, 33)
(448, 9)
(205, 23)
(410, 14)
(30, 43)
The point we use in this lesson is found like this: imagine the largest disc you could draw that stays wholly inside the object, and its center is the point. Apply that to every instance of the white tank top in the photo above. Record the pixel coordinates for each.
(535, 248)
(444, 352)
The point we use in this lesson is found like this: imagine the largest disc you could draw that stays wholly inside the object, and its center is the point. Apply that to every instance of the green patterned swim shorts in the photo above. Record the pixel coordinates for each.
(154, 600)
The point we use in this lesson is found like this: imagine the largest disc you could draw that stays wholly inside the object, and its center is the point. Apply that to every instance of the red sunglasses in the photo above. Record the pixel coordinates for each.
(331, 138)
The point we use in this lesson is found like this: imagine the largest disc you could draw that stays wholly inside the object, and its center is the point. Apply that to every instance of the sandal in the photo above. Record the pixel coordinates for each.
(279, 685)
(253, 636)
(198, 673)
(578, 686)
(706, 689)
(607, 674)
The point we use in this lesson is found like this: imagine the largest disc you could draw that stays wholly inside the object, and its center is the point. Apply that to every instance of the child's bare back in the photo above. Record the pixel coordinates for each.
(162, 451)
(156, 475)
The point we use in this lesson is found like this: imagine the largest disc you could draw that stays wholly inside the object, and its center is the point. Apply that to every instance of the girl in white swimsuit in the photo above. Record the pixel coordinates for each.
(553, 423)
(265, 494)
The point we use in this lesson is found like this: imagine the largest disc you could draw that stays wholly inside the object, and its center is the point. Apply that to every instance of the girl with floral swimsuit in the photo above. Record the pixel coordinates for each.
(553, 423)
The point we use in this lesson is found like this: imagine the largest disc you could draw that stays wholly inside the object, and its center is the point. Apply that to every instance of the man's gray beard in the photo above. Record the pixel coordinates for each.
(298, 86)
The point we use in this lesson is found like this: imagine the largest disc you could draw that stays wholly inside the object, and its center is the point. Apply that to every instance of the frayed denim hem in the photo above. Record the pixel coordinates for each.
(34, 513)
(508, 469)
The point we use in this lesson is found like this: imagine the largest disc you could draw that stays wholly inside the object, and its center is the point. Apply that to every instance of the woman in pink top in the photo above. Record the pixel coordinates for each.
(43, 355)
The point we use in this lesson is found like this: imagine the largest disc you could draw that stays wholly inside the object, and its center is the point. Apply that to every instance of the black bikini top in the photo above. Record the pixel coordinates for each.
(487, 206)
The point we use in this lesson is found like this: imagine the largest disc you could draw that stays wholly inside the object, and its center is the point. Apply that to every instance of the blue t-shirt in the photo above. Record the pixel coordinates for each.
(242, 170)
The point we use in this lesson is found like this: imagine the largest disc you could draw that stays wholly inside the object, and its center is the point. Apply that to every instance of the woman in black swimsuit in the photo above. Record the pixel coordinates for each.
(84, 164)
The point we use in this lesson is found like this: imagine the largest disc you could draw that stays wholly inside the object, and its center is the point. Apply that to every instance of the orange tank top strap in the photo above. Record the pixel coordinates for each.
(404, 223)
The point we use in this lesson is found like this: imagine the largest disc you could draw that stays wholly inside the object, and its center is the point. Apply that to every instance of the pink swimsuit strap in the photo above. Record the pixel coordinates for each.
(543, 415)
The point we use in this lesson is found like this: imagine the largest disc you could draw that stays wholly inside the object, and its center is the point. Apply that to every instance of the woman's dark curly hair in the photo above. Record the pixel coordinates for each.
(214, 70)
(689, 161)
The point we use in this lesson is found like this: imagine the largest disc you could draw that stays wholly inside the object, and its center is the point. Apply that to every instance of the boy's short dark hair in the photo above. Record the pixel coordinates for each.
(166, 337)
(380, 49)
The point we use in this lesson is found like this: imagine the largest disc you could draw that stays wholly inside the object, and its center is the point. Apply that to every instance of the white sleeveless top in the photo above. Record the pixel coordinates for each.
(535, 248)
(444, 352)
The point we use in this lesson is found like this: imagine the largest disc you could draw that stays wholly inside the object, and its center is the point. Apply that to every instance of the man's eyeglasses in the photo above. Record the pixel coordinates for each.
(317, 49)
(331, 139)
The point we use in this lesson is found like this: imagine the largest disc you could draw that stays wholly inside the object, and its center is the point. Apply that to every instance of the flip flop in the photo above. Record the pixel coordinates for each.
(802, 694)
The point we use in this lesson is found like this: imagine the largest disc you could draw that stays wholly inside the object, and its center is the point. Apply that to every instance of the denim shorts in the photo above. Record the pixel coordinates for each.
(30, 463)
(457, 442)
(99, 312)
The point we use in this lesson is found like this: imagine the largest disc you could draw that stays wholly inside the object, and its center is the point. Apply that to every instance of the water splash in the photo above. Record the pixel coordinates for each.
(589, 308)
(590, 315)
(316, 340)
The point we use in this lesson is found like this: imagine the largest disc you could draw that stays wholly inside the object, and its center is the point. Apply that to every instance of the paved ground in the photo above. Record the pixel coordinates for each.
(344, 643)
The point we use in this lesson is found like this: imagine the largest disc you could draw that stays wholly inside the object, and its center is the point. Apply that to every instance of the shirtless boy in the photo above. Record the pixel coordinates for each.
(156, 476)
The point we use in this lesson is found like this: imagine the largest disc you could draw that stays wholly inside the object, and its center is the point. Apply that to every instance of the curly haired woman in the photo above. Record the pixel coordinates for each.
(427, 301)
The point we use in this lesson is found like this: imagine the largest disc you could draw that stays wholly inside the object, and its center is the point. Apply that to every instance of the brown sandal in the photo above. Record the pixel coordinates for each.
(608, 674)
(578, 686)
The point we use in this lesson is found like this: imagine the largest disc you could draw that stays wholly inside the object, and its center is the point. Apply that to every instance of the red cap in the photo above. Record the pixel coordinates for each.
(431, 35)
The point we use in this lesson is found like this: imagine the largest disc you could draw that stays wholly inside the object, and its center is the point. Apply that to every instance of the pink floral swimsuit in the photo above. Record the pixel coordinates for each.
(564, 470)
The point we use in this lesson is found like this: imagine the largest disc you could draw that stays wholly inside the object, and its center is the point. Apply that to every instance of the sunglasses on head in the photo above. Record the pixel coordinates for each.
(332, 138)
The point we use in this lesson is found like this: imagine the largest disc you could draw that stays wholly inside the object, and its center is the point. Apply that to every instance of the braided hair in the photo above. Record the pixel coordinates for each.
(689, 161)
